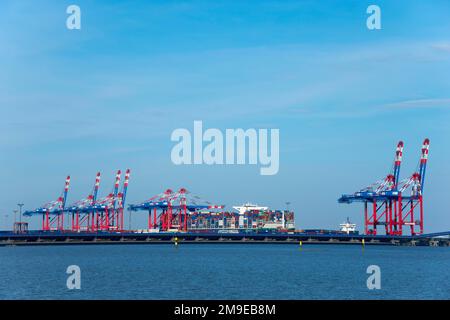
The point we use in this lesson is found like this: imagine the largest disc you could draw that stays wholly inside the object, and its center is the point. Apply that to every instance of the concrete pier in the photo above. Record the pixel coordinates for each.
(69, 238)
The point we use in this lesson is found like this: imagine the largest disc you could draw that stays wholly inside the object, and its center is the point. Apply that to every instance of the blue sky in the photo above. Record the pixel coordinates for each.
(109, 95)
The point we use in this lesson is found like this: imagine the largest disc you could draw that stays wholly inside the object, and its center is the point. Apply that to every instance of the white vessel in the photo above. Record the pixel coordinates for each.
(348, 227)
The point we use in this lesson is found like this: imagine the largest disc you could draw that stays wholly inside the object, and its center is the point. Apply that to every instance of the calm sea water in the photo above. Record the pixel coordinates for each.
(223, 271)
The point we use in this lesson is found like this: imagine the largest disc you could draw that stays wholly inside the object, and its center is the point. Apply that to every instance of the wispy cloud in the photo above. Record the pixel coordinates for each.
(442, 46)
(420, 104)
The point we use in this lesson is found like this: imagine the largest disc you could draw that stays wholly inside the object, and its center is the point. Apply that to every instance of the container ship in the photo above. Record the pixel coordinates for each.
(245, 218)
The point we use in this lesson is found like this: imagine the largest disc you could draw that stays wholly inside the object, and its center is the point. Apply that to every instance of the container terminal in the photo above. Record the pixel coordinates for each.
(391, 205)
